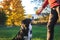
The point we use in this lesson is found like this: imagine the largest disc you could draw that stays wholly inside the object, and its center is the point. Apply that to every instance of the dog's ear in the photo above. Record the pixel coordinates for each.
(26, 21)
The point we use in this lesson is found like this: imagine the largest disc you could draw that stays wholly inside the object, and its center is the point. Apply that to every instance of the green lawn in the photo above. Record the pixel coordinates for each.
(39, 32)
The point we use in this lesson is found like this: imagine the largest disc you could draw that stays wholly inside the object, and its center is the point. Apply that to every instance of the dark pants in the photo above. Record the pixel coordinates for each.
(55, 12)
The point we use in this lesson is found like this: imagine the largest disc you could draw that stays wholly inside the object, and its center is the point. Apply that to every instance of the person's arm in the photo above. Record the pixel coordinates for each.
(43, 6)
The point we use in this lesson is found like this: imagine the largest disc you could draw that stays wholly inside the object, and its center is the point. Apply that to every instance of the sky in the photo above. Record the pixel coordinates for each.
(28, 6)
(1, 0)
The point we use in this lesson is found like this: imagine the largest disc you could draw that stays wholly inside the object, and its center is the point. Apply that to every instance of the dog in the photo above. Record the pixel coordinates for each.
(25, 32)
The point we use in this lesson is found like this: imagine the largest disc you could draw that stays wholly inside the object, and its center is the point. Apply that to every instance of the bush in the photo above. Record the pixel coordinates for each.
(2, 17)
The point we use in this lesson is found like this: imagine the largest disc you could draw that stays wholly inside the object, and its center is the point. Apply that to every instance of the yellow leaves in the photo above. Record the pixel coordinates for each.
(16, 15)
(17, 23)
(9, 23)
(29, 16)
(43, 19)
(14, 11)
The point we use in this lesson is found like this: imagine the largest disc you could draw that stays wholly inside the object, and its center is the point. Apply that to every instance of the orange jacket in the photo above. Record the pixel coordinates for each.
(52, 3)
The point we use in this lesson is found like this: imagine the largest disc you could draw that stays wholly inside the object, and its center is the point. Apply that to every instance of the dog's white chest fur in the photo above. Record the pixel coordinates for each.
(30, 29)
(29, 33)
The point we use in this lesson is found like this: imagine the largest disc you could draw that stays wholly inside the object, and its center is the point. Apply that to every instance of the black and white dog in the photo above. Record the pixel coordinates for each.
(25, 32)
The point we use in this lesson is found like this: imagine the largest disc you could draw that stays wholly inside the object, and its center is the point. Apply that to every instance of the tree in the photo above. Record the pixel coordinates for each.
(14, 11)
(3, 17)
(17, 12)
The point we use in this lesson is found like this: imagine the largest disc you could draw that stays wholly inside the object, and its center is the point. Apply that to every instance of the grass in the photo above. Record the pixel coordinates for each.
(7, 33)
(39, 32)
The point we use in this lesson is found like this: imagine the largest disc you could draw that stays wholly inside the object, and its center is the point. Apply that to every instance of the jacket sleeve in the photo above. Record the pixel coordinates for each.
(45, 4)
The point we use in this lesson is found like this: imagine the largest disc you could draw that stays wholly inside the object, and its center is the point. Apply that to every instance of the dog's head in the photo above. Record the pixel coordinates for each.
(26, 22)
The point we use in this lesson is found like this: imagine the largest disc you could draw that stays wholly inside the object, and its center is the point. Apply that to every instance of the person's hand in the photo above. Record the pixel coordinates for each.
(39, 11)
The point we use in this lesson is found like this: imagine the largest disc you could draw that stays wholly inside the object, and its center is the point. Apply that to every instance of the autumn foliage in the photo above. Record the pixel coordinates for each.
(14, 12)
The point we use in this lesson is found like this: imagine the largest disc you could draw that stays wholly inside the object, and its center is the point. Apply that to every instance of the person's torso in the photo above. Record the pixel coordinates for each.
(53, 3)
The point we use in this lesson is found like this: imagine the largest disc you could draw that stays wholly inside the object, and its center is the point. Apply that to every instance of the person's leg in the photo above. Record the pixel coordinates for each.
(58, 11)
(51, 23)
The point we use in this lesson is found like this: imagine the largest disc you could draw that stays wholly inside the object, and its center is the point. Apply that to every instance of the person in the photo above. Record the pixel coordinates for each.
(53, 17)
